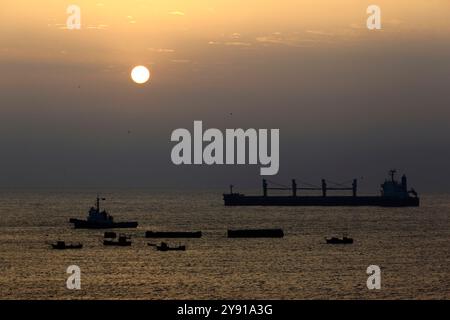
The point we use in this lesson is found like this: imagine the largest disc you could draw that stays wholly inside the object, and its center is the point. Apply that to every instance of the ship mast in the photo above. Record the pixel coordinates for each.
(392, 174)
(98, 203)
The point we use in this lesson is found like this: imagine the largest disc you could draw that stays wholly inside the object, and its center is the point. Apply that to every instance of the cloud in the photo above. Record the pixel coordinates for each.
(161, 50)
(176, 13)
(238, 44)
(98, 26)
(180, 61)
(61, 26)
(131, 20)
(292, 40)
(232, 40)
(319, 33)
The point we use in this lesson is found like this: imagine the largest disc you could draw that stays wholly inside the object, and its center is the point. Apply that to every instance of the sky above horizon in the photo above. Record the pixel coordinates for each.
(349, 102)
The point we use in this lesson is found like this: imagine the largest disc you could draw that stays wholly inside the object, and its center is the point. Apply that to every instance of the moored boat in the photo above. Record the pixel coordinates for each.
(122, 241)
(165, 247)
(62, 245)
(335, 240)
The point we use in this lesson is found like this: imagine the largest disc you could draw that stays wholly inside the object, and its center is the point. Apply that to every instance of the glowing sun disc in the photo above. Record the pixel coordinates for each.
(140, 74)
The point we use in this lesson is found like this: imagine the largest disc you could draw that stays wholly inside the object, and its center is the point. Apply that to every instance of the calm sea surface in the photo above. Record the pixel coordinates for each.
(411, 245)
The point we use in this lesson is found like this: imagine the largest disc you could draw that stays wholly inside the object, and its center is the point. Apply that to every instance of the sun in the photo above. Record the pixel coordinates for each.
(140, 74)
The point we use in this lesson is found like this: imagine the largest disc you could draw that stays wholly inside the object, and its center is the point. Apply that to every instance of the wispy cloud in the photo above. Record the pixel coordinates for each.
(320, 33)
(98, 26)
(61, 26)
(180, 61)
(291, 40)
(176, 13)
(161, 50)
(238, 43)
(235, 40)
(131, 19)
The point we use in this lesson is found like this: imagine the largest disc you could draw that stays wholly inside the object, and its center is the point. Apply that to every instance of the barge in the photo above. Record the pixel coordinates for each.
(256, 233)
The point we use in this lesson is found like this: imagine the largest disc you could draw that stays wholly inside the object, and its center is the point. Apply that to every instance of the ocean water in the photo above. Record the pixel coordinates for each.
(411, 245)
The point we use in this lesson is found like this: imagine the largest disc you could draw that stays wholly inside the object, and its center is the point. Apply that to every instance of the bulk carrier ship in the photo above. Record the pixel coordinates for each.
(393, 194)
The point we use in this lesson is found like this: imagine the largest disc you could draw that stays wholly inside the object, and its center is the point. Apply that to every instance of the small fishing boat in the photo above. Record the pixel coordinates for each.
(61, 245)
(122, 241)
(165, 247)
(343, 240)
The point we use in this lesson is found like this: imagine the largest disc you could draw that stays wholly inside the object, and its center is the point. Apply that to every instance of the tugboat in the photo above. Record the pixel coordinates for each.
(61, 245)
(344, 240)
(165, 247)
(123, 241)
(98, 219)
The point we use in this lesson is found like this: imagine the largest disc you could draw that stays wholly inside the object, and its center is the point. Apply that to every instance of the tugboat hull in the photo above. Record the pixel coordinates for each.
(236, 199)
(116, 243)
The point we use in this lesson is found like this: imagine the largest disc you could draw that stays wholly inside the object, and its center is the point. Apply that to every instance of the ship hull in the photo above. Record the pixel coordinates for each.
(180, 248)
(116, 243)
(330, 201)
(83, 224)
(67, 247)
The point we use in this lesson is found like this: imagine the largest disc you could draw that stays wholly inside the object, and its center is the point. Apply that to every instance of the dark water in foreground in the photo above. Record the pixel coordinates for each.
(411, 245)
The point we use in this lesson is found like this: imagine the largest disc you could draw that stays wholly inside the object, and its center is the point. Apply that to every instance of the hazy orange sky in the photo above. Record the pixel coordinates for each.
(123, 33)
(369, 100)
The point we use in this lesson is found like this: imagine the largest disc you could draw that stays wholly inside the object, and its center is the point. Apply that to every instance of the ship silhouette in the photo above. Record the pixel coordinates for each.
(100, 219)
(393, 194)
